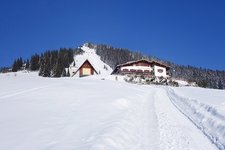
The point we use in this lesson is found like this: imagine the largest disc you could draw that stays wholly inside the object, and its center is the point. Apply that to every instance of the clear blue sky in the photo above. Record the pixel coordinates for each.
(182, 31)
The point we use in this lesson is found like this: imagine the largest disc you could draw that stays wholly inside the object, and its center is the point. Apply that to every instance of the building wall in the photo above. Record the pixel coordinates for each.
(137, 68)
(84, 71)
(142, 63)
(159, 71)
(142, 68)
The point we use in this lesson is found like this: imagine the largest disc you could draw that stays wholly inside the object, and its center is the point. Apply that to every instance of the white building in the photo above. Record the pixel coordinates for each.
(142, 67)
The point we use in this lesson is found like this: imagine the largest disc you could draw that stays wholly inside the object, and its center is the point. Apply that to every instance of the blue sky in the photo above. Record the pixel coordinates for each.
(184, 31)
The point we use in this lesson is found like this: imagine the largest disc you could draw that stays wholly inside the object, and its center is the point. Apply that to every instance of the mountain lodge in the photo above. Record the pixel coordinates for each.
(142, 67)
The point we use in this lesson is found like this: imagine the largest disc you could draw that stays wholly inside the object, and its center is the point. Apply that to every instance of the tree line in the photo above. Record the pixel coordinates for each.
(51, 63)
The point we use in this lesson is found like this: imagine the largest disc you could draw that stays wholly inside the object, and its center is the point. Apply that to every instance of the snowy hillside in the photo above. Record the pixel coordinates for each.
(93, 114)
(90, 54)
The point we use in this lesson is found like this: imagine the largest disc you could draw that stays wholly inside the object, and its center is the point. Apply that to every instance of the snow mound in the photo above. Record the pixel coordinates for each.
(182, 83)
(90, 55)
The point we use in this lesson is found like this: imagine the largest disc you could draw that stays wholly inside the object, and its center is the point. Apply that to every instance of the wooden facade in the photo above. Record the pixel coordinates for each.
(138, 63)
(86, 69)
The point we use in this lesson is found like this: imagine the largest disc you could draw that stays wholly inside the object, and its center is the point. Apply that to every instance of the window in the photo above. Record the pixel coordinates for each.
(125, 70)
(132, 70)
(86, 71)
(160, 70)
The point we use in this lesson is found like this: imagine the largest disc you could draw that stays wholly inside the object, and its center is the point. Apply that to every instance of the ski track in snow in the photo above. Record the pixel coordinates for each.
(94, 115)
(2, 97)
(205, 117)
(22, 92)
(176, 131)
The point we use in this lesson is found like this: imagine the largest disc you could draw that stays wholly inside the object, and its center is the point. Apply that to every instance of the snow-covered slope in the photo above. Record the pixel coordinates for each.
(90, 54)
(205, 107)
(91, 114)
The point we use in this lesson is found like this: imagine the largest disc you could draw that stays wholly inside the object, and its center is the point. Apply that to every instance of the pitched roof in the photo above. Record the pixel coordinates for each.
(80, 65)
(151, 62)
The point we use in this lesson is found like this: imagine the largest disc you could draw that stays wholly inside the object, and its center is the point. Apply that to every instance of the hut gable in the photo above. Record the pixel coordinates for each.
(86, 69)
(94, 61)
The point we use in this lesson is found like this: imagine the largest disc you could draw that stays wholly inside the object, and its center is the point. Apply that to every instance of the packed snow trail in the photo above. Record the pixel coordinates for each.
(207, 117)
(176, 131)
(92, 114)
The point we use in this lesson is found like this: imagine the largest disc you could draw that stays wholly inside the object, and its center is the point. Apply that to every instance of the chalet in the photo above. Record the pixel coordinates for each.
(84, 69)
(142, 67)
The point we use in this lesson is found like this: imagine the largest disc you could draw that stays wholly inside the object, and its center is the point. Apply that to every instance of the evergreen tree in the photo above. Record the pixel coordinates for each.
(42, 63)
(15, 66)
(202, 83)
(64, 73)
(59, 69)
(220, 85)
(20, 62)
(34, 62)
(27, 64)
(46, 69)
(53, 60)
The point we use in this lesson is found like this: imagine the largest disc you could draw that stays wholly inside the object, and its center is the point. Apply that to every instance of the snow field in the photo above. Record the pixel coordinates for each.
(91, 114)
(74, 114)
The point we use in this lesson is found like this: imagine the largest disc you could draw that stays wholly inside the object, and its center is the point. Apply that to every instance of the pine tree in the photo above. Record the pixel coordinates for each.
(59, 69)
(15, 66)
(46, 69)
(34, 62)
(220, 85)
(64, 73)
(27, 64)
(42, 63)
(20, 62)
